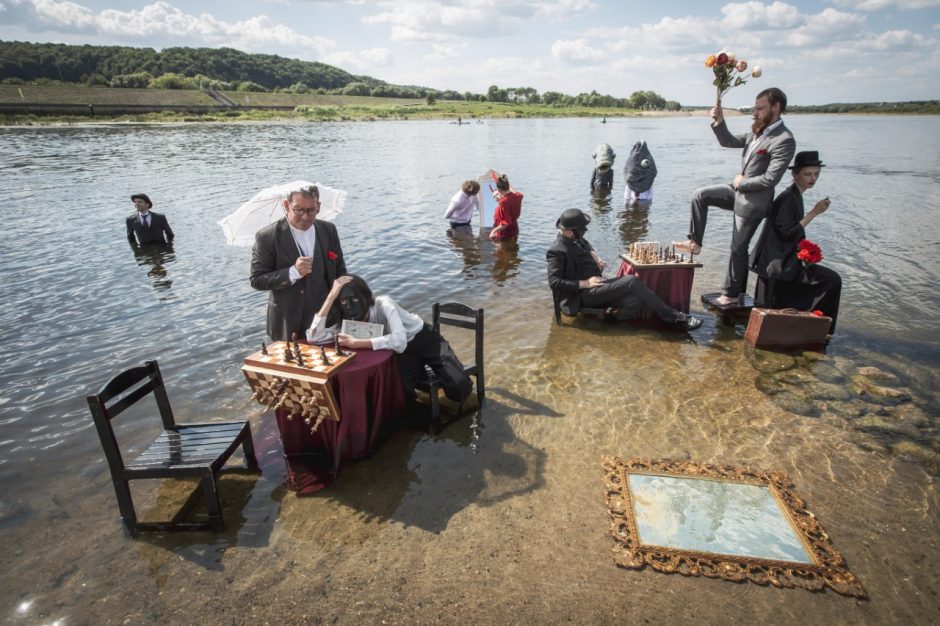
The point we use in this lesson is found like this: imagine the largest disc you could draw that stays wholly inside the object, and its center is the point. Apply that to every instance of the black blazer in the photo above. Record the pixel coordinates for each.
(563, 274)
(774, 255)
(154, 233)
(291, 307)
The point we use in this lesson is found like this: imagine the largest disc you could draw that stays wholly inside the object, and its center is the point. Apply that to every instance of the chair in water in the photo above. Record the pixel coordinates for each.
(461, 316)
(181, 450)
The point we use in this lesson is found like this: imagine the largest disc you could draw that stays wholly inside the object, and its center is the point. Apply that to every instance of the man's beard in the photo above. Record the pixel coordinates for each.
(759, 125)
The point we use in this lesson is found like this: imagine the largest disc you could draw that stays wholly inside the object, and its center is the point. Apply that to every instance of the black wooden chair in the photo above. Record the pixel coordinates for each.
(461, 316)
(181, 450)
(591, 312)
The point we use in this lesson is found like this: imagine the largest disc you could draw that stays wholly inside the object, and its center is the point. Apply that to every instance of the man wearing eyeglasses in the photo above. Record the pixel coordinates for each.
(296, 259)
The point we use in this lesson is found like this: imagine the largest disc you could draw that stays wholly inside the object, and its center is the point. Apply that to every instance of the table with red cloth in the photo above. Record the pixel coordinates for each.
(369, 393)
(672, 284)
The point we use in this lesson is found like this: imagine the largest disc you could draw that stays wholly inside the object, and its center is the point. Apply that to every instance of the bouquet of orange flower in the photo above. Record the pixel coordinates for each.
(729, 71)
(808, 252)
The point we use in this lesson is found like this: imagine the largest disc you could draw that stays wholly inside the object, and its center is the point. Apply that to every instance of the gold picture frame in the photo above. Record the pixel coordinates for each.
(823, 566)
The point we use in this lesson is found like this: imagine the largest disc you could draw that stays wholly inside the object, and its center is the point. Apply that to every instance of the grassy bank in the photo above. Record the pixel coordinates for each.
(28, 101)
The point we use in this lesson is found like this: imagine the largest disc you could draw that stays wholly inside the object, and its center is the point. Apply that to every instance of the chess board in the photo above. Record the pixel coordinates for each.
(655, 265)
(313, 363)
(303, 390)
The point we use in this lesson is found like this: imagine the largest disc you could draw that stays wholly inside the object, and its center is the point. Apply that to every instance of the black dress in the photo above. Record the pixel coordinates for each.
(783, 281)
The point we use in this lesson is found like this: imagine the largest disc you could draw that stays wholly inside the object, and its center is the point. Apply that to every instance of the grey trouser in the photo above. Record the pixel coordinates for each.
(722, 196)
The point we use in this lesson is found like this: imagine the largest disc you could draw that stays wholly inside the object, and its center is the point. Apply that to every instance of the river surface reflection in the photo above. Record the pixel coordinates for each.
(77, 306)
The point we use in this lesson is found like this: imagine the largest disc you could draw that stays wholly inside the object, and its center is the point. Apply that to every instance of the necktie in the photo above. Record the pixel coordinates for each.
(144, 222)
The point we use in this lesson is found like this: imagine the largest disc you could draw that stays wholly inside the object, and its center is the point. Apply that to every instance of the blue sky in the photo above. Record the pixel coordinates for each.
(816, 51)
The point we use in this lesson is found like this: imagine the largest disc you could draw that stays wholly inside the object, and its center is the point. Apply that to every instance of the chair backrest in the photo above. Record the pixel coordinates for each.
(147, 379)
(462, 316)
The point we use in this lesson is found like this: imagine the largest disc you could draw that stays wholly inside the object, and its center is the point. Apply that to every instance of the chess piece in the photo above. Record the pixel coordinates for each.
(264, 349)
(287, 354)
(338, 348)
(326, 359)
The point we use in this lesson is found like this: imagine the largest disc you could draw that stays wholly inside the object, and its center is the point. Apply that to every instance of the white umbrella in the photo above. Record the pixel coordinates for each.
(267, 206)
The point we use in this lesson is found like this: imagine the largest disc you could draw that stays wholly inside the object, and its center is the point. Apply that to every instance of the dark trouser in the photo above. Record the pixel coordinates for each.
(630, 295)
(722, 196)
(817, 288)
(430, 348)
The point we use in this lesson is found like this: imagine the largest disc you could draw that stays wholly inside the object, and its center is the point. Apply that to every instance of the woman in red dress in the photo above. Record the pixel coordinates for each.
(506, 218)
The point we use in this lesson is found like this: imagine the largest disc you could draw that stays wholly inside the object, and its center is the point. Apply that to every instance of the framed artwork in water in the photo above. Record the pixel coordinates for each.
(720, 521)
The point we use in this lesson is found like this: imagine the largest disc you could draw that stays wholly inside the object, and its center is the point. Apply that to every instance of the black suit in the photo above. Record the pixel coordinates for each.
(154, 232)
(570, 261)
(291, 307)
(783, 280)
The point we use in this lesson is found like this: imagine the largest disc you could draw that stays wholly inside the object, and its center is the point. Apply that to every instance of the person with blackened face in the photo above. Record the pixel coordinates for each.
(416, 343)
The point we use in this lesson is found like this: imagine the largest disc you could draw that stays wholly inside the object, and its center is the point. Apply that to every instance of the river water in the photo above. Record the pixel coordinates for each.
(429, 530)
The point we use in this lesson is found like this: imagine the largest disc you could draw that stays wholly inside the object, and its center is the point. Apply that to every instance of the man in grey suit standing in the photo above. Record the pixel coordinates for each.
(296, 259)
(767, 151)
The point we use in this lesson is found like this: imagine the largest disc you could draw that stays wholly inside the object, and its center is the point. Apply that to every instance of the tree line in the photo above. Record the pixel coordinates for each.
(226, 69)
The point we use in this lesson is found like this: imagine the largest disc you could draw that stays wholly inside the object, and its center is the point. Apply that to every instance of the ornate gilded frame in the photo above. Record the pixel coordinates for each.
(828, 569)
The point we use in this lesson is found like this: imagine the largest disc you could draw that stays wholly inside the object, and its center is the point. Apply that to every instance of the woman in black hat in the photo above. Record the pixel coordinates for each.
(784, 280)
(575, 277)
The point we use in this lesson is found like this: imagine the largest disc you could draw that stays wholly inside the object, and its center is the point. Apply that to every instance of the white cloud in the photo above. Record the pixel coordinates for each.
(876, 5)
(757, 15)
(359, 62)
(63, 14)
(444, 20)
(163, 20)
(576, 52)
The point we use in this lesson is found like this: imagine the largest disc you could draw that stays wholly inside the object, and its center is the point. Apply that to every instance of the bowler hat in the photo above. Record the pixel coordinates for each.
(143, 197)
(809, 158)
(573, 218)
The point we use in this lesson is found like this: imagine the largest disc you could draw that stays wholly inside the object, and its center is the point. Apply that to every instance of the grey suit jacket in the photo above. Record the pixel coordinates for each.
(155, 232)
(762, 168)
(291, 307)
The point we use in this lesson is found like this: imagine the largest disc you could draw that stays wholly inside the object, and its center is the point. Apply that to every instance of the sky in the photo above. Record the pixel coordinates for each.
(818, 52)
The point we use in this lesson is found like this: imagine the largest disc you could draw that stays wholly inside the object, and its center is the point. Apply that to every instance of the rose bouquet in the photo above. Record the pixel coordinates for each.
(729, 71)
(808, 252)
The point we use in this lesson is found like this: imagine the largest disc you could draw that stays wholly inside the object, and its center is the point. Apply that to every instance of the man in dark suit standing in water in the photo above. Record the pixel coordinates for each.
(148, 227)
(296, 259)
(767, 151)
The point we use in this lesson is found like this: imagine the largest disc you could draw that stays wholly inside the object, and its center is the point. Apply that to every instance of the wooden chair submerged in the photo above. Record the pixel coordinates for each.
(591, 312)
(181, 450)
(461, 316)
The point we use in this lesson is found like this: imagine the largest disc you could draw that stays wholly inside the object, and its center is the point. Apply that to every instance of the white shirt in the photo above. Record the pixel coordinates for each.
(461, 206)
(400, 326)
(760, 137)
(306, 241)
(630, 195)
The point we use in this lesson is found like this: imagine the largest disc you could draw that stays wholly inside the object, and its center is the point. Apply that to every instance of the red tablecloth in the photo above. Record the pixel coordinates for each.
(368, 391)
(672, 284)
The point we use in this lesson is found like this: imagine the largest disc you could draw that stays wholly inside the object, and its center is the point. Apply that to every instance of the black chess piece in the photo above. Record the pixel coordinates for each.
(288, 356)
(326, 359)
(338, 348)
(264, 349)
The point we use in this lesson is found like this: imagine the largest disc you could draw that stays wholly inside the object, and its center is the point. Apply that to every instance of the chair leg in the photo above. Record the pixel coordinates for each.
(125, 502)
(211, 498)
(434, 389)
(248, 448)
(481, 393)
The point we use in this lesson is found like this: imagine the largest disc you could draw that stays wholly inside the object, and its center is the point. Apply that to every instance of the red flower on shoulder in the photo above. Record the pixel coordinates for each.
(818, 313)
(331, 255)
(761, 151)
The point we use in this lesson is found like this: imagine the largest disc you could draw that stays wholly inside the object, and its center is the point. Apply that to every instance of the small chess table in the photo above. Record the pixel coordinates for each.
(670, 281)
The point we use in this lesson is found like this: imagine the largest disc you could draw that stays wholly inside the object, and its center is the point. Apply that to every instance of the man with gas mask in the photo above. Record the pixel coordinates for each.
(414, 341)
(575, 274)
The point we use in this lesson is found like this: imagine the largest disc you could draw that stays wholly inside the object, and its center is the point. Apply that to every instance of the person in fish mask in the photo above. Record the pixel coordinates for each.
(416, 343)
(639, 171)
(603, 176)
(575, 275)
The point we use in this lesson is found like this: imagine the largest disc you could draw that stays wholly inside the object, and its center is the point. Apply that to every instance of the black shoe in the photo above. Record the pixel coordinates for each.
(687, 322)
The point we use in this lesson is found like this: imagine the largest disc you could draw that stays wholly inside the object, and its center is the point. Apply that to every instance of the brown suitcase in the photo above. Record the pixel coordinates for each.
(786, 328)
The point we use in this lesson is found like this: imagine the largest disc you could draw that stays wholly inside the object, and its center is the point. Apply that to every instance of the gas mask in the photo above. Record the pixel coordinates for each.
(352, 304)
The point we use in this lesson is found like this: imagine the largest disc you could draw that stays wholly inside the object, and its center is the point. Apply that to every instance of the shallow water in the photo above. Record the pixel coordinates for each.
(427, 530)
